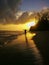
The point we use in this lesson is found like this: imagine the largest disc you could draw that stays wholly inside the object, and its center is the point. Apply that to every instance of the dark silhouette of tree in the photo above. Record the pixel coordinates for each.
(43, 23)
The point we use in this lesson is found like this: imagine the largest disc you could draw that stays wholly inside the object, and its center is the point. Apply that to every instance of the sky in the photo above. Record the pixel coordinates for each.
(9, 8)
(10, 11)
(36, 5)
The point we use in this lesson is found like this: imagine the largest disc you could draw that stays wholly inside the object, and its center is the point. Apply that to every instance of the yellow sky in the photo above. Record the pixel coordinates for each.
(18, 27)
(11, 27)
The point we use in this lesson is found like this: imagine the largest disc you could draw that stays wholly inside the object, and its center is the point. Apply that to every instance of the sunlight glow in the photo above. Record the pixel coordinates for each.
(19, 27)
(29, 24)
(29, 36)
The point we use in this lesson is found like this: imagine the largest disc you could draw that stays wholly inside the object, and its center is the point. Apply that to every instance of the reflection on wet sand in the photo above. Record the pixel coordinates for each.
(20, 53)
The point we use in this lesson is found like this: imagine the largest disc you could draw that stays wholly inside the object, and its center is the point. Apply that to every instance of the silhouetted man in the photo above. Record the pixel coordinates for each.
(26, 36)
(25, 31)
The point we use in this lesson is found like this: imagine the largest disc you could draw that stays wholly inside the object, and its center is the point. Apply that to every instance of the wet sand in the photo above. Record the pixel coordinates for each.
(18, 52)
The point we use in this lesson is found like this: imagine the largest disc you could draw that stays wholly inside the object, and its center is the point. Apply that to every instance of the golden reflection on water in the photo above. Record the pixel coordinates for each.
(21, 45)
(21, 40)
(30, 35)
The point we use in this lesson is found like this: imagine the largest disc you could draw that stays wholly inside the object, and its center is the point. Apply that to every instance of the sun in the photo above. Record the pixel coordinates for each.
(29, 24)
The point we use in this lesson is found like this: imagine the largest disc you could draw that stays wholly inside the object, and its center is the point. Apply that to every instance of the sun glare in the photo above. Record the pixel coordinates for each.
(29, 24)
(19, 27)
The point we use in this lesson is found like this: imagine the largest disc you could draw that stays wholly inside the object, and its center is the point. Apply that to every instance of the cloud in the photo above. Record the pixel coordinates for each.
(8, 9)
(23, 18)
(27, 16)
(9, 12)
